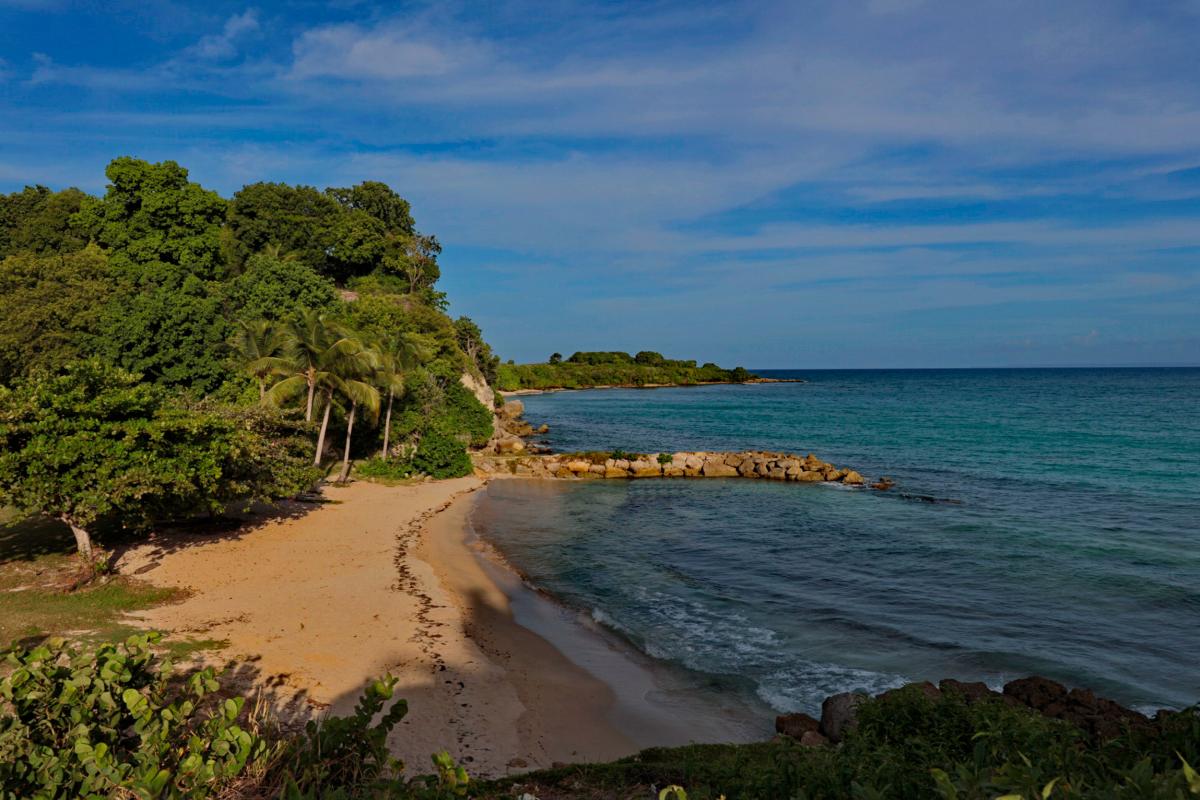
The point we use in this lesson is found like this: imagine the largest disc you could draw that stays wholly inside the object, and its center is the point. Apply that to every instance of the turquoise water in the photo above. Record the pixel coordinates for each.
(1070, 548)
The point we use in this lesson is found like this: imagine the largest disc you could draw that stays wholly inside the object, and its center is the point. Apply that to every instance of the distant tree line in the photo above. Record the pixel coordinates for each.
(614, 368)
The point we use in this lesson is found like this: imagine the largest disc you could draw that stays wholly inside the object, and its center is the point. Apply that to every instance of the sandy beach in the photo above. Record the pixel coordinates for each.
(314, 603)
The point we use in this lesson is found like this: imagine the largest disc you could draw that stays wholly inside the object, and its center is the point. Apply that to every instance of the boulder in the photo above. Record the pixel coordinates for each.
(510, 445)
(717, 469)
(970, 691)
(543, 428)
(643, 468)
(811, 476)
(924, 687)
(1040, 694)
(746, 468)
(796, 725)
(839, 713)
(578, 467)
(734, 459)
(513, 409)
(853, 478)
(777, 473)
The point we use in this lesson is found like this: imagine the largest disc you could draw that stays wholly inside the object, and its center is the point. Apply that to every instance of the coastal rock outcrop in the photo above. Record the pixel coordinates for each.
(1099, 718)
(839, 714)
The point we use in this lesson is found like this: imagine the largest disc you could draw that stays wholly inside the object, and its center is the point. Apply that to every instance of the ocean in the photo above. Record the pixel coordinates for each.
(1044, 521)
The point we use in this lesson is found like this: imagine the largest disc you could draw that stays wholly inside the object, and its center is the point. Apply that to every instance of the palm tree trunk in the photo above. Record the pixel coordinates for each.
(312, 389)
(387, 426)
(262, 391)
(346, 458)
(324, 427)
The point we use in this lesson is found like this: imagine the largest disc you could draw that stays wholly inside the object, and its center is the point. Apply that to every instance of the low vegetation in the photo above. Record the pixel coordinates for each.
(586, 369)
(117, 721)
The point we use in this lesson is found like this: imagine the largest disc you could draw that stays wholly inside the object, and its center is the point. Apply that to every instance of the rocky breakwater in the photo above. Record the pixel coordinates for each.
(752, 464)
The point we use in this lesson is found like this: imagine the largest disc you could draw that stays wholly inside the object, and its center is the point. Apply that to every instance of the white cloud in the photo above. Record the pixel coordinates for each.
(221, 46)
(353, 53)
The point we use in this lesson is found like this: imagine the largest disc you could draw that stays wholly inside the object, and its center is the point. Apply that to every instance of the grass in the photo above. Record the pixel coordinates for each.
(38, 570)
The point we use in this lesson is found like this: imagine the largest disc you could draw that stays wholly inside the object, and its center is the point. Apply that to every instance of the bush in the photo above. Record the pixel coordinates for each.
(440, 456)
(392, 469)
(110, 723)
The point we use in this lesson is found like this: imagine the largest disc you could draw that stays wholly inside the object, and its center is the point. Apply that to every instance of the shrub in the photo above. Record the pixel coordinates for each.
(109, 722)
(665, 458)
(440, 456)
(392, 469)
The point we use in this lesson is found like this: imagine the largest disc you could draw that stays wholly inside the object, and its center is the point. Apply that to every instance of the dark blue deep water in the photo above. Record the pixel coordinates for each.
(1072, 547)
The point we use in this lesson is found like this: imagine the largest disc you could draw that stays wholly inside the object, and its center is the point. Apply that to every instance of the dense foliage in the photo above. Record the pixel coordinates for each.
(116, 721)
(613, 368)
(94, 441)
(144, 326)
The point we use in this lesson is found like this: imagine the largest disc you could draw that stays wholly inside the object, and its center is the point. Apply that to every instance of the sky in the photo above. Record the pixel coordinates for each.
(853, 183)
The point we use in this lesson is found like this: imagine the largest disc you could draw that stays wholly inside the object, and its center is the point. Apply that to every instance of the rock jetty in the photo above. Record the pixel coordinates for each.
(750, 464)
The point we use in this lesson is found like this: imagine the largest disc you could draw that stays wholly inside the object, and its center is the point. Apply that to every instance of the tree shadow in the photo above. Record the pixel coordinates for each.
(178, 535)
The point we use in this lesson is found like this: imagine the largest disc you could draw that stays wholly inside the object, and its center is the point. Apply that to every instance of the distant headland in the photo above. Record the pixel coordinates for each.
(616, 369)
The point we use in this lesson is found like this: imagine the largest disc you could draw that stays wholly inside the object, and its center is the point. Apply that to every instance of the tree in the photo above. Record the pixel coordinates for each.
(398, 353)
(274, 288)
(379, 201)
(295, 219)
(478, 352)
(650, 358)
(93, 441)
(258, 348)
(173, 334)
(158, 225)
(358, 363)
(556, 358)
(308, 339)
(38, 220)
(415, 257)
(51, 306)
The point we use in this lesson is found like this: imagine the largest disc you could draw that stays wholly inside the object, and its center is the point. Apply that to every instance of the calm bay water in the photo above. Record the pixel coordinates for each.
(1071, 548)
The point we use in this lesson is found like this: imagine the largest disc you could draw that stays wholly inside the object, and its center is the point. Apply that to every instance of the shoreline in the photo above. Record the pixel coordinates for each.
(309, 604)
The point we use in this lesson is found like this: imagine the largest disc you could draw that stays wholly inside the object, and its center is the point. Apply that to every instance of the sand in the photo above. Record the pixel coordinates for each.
(312, 604)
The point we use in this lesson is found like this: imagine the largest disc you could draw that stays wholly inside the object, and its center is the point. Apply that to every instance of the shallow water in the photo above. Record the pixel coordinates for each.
(1070, 549)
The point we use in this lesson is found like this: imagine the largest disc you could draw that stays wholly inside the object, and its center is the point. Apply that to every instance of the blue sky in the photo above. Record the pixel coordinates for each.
(812, 184)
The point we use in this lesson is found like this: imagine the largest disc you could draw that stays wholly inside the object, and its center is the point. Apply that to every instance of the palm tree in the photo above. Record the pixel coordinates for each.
(258, 345)
(310, 341)
(398, 354)
(359, 392)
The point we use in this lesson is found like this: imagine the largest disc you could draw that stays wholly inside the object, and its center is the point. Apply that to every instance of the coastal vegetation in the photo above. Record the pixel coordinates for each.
(613, 368)
(115, 721)
(168, 351)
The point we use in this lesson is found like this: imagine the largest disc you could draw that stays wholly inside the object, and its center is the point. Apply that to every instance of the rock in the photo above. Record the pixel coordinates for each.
(839, 713)
(478, 387)
(811, 476)
(643, 468)
(796, 725)
(596, 469)
(578, 467)
(543, 428)
(883, 484)
(734, 459)
(746, 468)
(971, 692)
(693, 462)
(813, 739)
(510, 445)
(1037, 692)
(513, 409)
(833, 475)
(718, 469)
(924, 687)
(777, 473)
(853, 478)
(672, 471)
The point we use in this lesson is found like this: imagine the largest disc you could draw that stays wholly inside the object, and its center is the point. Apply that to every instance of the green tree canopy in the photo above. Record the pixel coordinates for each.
(38, 220)
(274, 288)
(158, 225)
(295, 219)
(377, 200)
(94, 441)
(51, 306)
